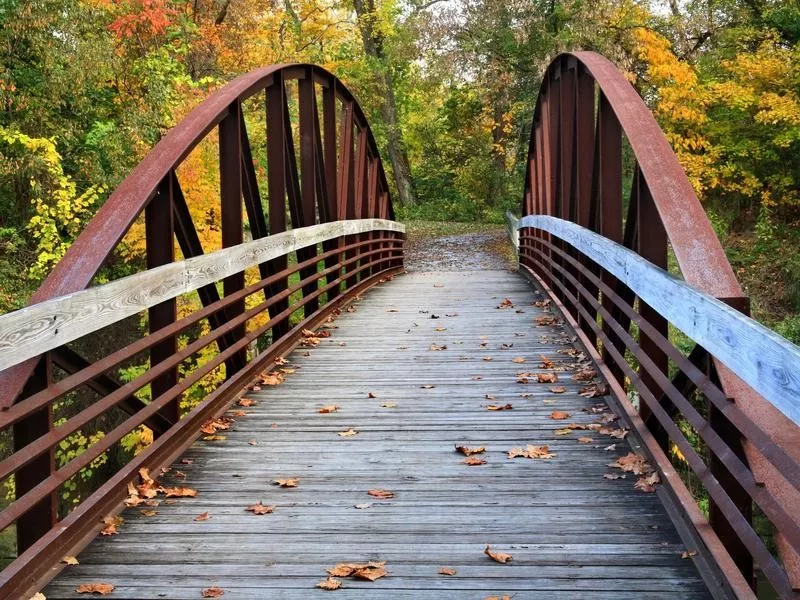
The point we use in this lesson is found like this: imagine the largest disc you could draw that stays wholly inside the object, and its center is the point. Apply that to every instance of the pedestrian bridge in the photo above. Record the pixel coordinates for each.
(603, 421)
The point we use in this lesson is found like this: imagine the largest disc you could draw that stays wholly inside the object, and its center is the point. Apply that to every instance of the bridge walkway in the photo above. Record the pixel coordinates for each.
(411, 369)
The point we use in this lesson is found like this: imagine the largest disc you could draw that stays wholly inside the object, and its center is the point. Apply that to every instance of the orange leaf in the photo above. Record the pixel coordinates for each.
(474, 461)
(585, 440)
(111, 524)
(95, 588)
(500, 557)
(287, 483)
(546, 377)
(467, 451)
(499, 407)
(381, 494)
(531, 452)
(330, 584)
(70, 560)
(558, 389)
(347, 433)
(148, 513)
(518, 360)
(260, 509)
(213, 592)
(203, 517)
(328, 409)
(559, 415)
(246, 402)
(447, 571)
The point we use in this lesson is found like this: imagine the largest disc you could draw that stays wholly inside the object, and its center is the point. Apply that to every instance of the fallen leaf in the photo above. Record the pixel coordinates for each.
(558, 389)
(447, 571)
(546, 377)
(585, 440)
(389, 405)
(286, 483)
(506, 303)
(328, 409)
(688, 553)
(613, 476)
(213, 438)
(70, 560)
(38, 596)
(474, 461)
(585, 375)
(363, 506)
(95, 588)
(246, 402)
(565, 431)
(632, 463)
(348, 569)
(205, 516)
(546, 362)
(467, 451)
(518, 360)
(440, 328)
(542, 303)
(427, 386)
(148, 513)
(213, 592)
(111, 524)
(330, 584)
(532, 452)
(648, 484)
(435, 347)
(260, 509)
(371, 395)
(488, 358)
(500, 557)
(237, 413)
(381, 494)
(253, 442)
(559, 415)
(506, 406)
(545, 320)
(178, 492)
(347, 433)
(593, 391)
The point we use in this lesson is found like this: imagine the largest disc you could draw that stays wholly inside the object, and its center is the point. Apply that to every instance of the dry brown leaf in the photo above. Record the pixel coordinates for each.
(546, 377)
(593, 391)
(632, 463)
(474, 461)
(545, 320)
(585, 375)
(613, 476)
(506, 406)
(371, 395)
(435, 347)
(565, 431)
(370, 572)
(559, 415)
(381, 494)
(213, 592)
(111, 524)
(246, 402)
(440, 328)
(488, 358)
(214, 438)
(500, 557)
(95, 588)
(648, 484)
(70, 560)
(330, 584)
(237, 413)
(546, 362)
(585, 440)
(347, 433)
(532, 452)
(542, 303)
(260, 509)
(287, 483)
(253, 442)
(148, 513)
(506, 303)
(447, 571)
(558, 389)
(467, 451)
(519, 360)
(688, 553)
(204, 516)
(178, 492)
(328, 409)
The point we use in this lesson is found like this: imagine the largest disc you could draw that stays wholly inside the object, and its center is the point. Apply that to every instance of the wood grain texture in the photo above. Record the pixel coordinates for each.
(36, 329)
(764, 360)
(572, 533)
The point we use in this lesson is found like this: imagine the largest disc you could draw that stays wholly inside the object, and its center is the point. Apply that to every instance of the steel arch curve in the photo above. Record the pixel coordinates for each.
(575, 172)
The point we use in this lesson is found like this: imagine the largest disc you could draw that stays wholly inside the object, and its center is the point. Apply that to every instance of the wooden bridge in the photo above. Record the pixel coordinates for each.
(587, 425)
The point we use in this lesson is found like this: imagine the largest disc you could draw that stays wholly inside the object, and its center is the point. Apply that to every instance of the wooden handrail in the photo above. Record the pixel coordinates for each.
(33, 330)
(767, 362)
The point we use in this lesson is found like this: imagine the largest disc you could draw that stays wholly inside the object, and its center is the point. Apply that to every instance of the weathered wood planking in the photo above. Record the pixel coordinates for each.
(572, 533)
(36, 329)
(764, 360)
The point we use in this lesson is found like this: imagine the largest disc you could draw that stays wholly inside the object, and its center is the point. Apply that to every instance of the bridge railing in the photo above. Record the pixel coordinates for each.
(98, 382)
(721, 405)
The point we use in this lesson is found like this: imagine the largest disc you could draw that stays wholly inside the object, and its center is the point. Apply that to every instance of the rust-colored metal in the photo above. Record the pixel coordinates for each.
(316, 184)
(663, 211)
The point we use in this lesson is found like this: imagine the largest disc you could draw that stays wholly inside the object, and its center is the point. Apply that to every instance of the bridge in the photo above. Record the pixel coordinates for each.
(604, 421)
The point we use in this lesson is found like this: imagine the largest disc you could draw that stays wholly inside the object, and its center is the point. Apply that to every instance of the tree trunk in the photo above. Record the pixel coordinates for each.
(373, 47)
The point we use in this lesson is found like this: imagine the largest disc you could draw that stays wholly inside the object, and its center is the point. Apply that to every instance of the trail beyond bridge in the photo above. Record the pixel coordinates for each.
(584, 424)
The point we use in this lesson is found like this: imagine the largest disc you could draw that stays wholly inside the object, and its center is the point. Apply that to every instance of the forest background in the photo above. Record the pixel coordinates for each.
(87, 87)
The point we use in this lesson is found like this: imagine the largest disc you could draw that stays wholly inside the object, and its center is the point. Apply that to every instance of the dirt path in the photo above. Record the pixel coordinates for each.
(484, 250)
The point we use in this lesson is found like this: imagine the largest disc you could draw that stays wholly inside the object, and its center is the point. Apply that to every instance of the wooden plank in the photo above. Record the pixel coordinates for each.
(764, 360)
(571, 532)
(30, 331)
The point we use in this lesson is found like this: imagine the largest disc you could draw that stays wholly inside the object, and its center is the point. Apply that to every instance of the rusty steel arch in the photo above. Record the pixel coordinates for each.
(324, 172)
(575, 171)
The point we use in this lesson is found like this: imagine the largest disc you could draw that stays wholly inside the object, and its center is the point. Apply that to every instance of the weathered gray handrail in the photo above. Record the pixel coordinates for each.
(30, 331)
(513, 232)
(764, 360)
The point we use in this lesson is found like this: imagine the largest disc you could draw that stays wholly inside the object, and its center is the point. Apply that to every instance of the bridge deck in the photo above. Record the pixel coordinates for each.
(571, 532)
